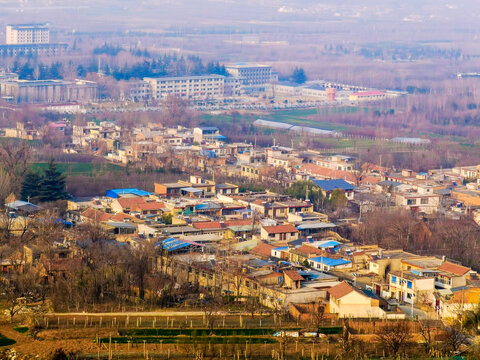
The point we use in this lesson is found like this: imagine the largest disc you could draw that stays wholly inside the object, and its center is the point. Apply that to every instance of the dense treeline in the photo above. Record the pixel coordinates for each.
(166, 65)
(31, 70)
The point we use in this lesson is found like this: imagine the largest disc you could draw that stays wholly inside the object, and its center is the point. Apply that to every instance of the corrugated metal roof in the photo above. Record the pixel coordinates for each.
(315, 225)
(172, 244)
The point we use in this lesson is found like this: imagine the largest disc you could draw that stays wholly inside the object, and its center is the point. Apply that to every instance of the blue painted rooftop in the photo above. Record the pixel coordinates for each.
(172, 244)
(330, 185)
(330, 262)
(115, 193)
(330, 243)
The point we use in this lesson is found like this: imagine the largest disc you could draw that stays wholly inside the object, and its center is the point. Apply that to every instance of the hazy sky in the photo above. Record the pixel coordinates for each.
(414, 17)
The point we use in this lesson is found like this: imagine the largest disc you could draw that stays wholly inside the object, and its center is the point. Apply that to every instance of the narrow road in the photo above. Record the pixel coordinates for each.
(417, 313)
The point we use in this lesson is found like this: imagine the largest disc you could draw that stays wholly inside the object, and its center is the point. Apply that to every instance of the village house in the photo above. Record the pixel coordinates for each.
(415, 286)
(276, 233)
(349, 302)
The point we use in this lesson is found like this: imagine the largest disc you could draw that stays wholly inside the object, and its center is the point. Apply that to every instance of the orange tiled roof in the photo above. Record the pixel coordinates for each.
(327, 173)
(279, 229)
(203, 225)
(152, 205)
(340, 290)
(130, 202)
(262, 249)
(306, 249)
(122, 217)
(238, 222)
(454, 268)
(97, 215)
(295, 276)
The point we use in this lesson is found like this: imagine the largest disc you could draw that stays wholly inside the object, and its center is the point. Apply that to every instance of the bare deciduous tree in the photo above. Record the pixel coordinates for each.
(455, 337)
(14, 158)
(394, 336)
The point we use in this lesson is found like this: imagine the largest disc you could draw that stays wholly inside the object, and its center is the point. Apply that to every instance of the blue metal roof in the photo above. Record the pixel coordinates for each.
(330, 262)
(330, 243)
(115, 193)
(172, 244)
(281, 248)
(330, 185)
(207, 206)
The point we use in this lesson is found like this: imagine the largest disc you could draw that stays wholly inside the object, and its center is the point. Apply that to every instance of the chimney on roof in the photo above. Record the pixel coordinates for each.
(380, 253)
(444, 258)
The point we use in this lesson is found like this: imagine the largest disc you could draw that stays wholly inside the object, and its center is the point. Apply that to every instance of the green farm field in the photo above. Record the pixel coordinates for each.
(80, 168)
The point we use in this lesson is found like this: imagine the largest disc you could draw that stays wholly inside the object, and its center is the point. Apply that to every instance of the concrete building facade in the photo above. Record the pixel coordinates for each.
(48, 91)
(252, 74)
(27, 34)
(187, 87)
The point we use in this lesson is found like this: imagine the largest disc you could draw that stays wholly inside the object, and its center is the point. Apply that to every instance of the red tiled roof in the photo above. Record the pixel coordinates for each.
(122, 217)
(306, 249)
(327, 173)
(295, 276)
(96, 215)
(454, 268)
(152, 205)
(203, 225)
(130, 202)
(279, 229)
(371, 180)
(340, 290)
(374, 167)
(262, 249)
(238, 222)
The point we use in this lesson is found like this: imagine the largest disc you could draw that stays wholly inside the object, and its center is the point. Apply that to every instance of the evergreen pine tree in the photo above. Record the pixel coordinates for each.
(31, 186)
(53, 185)
(298, 75)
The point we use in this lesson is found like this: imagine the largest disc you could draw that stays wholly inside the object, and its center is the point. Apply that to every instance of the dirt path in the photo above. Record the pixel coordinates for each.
(70, 340)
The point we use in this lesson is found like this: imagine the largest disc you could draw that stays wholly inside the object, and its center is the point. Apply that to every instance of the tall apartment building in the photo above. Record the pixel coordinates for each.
(22, 34)
(188, 87)
(30, 40)
(252, 74)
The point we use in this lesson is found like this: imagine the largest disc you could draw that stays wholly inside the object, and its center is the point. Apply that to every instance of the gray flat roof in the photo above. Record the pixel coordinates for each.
(184, 77)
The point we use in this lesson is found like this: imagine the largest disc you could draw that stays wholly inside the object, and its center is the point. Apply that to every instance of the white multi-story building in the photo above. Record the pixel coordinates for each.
(252, 74)
(188, 87)
(27, 34)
